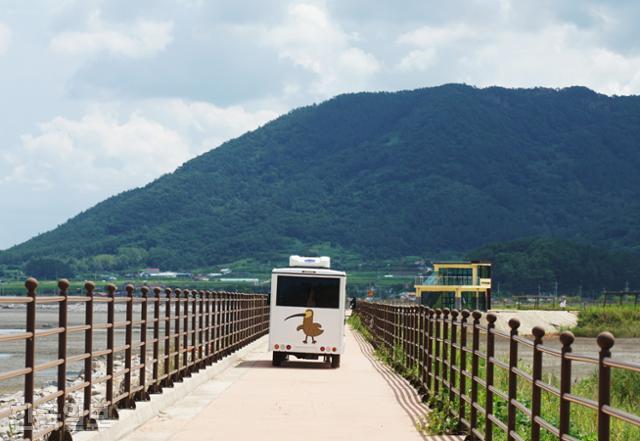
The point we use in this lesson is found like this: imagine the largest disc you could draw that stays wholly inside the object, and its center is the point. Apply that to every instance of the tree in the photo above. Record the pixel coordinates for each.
(48, 268)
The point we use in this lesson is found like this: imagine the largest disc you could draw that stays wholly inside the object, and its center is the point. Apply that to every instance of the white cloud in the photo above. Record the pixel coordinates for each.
(103, 153)
(5, 38)
(311, 40)
(557, 56)
(139, 39)
(429, 36)
(420, 60)
(98, 151)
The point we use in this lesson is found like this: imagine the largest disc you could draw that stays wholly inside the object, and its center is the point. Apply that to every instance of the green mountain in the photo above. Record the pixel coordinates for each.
(434, 171)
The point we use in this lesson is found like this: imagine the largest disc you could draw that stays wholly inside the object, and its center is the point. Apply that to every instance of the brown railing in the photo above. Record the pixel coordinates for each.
(440, 361)
(178, 333)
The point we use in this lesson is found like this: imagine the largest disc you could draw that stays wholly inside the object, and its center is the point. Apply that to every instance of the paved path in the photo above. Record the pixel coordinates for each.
(301, 401)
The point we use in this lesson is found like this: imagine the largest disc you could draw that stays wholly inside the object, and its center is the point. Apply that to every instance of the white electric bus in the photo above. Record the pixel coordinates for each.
(307, 314)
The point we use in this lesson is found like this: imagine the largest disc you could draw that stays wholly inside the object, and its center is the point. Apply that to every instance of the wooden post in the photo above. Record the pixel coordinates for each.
(606, 342)
(30, 358)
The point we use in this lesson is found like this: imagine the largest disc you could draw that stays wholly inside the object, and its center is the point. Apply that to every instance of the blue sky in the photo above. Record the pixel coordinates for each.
(98, 97)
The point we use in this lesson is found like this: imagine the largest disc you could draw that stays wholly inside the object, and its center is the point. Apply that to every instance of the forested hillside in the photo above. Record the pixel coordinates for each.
(435, 171)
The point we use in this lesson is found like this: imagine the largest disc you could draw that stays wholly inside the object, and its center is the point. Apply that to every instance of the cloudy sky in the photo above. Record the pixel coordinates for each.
(97, 97)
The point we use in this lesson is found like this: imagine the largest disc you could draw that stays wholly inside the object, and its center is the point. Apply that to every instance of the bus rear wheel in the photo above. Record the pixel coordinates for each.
(335, 361)
(278, 358)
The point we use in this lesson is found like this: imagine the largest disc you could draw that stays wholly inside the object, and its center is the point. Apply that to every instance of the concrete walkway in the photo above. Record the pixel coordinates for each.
(362, 400)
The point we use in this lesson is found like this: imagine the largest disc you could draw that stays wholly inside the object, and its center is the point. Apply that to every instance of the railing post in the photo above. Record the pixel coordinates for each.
(566, 338)
(62, 434)
(444, 374)
(514, 324)
(30, 359)
(429, 358)
(475, 347)
(166, 365)
(128, 402)
(606, 342)
(463, 363)
(88, 423)
(111, 411)
(536, 391)
(201, 299)
(216, 326)
(437, 378)
(142, 394)
(491, 338)
(177, 376)
(208, 325)
(155, 387)
(452, 355)
(185, 334)
(194, 331)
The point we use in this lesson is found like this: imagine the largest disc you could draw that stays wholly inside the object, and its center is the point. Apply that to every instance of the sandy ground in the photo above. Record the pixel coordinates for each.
(553, 322)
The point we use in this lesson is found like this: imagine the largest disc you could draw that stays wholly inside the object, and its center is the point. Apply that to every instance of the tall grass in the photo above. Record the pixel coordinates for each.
(622, 321)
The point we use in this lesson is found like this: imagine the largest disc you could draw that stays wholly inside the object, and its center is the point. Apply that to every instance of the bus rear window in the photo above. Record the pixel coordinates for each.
(310, 292)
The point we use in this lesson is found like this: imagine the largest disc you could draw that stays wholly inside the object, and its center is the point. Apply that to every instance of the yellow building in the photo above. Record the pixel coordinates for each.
(456, 285)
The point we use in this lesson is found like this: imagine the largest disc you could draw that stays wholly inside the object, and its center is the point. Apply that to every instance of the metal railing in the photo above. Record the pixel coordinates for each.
(179, 332)
(434, 343)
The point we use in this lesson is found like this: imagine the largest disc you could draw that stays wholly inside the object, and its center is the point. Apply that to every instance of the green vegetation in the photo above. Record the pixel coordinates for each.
(621, 321)
(529, 264)
(625, 395)
(434, 173)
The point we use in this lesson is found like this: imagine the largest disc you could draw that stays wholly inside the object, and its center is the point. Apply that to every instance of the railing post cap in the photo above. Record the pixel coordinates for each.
(476, 314)
(538, 332)
(445, 311)
(144, 289)
(491, 318)
(130, 288)
(168, 291)
(567, 338)
(514, 323)
(157, 290)
(178, 291)
(454, 313)
(438, 311)
(111, 288)
(605, 340)
(63, 284)
(31, 284)
(431, 311)
(465, 313)
(89, 286)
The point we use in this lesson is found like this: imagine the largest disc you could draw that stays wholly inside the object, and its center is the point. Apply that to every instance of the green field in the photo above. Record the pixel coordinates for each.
(622, 321)
(358, 282)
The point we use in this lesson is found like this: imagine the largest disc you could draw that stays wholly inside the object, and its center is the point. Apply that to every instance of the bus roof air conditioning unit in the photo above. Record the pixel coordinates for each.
(309, 262)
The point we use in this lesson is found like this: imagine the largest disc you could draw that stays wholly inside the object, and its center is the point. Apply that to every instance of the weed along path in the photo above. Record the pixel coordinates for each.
(302, 400)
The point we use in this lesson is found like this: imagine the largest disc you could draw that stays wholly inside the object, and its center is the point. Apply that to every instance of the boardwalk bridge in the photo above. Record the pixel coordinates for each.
(181, 364)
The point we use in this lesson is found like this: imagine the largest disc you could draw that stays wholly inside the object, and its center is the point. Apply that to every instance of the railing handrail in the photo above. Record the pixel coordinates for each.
(214, 324)
(434, 341)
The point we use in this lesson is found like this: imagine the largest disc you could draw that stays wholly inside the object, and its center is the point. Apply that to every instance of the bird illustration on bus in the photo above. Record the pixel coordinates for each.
(309, 328)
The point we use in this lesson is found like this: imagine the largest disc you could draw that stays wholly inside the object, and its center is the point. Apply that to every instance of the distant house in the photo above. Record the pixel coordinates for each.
(164, 275)
(225, 270)
(241, 280)
(211, 275)
(456, 285)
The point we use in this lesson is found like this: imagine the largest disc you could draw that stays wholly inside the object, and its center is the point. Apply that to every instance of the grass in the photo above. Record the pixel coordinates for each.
(442, 419)
(621, 321)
